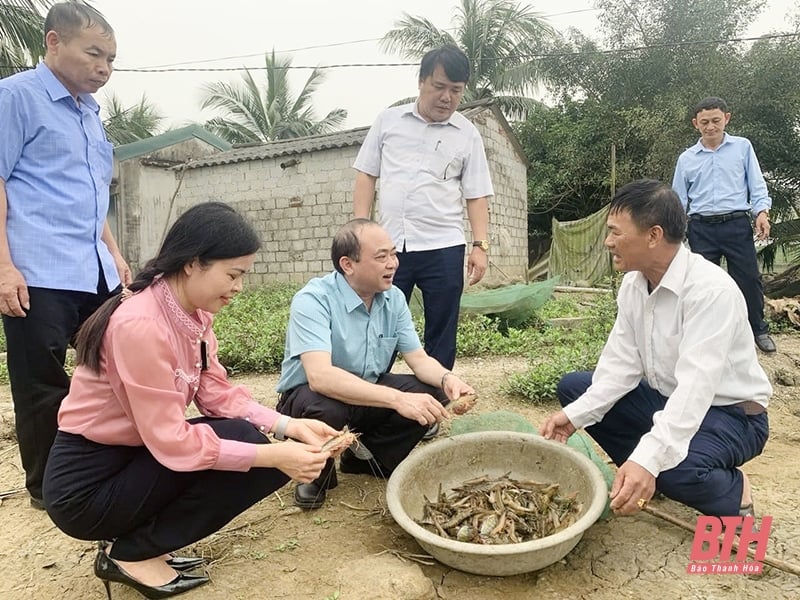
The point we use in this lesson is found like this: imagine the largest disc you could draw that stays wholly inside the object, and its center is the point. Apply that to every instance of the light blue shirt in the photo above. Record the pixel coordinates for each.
(715, 182)
(328, 316)
(57, 165)
(426, 171)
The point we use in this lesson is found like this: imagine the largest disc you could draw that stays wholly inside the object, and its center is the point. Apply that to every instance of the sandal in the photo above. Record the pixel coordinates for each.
(747, 511)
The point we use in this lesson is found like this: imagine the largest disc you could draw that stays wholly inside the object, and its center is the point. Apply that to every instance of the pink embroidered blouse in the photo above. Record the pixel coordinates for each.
(150, 371)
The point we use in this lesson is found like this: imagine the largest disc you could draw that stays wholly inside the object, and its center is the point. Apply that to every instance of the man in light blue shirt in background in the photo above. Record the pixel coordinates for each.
(58, 258)
(721, 187)
(343, 331)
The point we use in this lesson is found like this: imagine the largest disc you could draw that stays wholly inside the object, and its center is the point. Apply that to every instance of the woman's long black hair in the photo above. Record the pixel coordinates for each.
(206, 232)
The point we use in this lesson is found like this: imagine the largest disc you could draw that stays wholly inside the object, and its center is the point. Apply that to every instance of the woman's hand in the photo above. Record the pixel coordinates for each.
(310, 431)
(302, 462)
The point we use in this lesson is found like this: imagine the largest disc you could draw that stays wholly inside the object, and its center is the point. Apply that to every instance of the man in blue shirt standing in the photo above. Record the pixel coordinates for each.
(58, 258)
(343, 331)
(721, 187)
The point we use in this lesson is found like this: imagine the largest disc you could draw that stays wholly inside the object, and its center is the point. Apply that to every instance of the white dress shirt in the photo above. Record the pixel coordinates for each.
(691, 341)
(426, 170)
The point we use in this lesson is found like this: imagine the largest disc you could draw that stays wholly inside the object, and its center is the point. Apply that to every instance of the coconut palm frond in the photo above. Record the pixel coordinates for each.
(124, 125)
(21, 34)
(267, 110)
(502, 39)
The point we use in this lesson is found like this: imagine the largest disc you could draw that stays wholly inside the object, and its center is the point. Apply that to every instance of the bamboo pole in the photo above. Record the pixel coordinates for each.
(769, 560)
(589, 290)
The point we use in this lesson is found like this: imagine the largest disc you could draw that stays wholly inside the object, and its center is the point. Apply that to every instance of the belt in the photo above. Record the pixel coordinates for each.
(737, 214)
(750, 408)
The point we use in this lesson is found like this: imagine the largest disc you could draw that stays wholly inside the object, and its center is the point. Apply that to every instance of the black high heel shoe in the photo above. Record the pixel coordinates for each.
(185, 563)
(179, 563)
(107, 570)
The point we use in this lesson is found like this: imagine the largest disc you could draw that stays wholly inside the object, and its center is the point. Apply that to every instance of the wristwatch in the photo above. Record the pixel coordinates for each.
(482, 244)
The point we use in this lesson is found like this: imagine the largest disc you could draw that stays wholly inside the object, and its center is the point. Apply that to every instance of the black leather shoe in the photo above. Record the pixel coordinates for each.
(185, 563)
(309, 495)
(432, 432)
(37, 503)
(312, 495)
(107, 570)
(765, 343)
(349, 463)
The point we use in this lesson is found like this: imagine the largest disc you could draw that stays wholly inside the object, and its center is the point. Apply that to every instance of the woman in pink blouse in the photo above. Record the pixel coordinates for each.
(127, 466)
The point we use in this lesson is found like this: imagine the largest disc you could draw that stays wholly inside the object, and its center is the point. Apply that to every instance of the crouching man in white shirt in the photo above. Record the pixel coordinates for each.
(678, 399)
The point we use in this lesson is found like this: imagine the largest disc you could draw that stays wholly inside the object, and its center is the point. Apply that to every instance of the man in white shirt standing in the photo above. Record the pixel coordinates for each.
(678, 399)
(430, 159)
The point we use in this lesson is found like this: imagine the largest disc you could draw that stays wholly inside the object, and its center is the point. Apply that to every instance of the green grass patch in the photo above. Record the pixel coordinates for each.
(559, 350)
(252, 332)
(252, 329)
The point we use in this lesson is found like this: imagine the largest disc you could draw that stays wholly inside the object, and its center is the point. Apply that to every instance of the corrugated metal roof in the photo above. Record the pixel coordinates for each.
(174, 136)
(311, 143)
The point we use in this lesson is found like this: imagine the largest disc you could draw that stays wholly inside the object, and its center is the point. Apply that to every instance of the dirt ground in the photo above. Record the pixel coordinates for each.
(351, 549)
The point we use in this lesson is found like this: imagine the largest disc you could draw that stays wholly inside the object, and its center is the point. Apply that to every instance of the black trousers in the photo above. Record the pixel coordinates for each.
(37, 346)
(97, 492)
(734, 240)
(388, 435)
(439, 274)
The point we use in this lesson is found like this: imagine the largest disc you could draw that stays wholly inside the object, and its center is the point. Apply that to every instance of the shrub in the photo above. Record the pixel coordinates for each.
(479, 335)
(560, 350)
(252, 329)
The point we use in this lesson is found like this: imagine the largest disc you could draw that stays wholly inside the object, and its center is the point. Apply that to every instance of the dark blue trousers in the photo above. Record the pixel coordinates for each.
(98, 492)
(439, 274)
(707, 479)
(734, 240)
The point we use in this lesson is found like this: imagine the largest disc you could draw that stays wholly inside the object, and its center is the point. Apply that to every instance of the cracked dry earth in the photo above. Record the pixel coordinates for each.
(351, 549)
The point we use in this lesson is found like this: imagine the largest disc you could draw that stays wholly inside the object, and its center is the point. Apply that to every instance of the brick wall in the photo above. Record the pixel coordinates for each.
(298, 209)
(508, 210)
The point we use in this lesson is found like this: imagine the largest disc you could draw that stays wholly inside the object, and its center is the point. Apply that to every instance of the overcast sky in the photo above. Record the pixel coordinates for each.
(236, 33)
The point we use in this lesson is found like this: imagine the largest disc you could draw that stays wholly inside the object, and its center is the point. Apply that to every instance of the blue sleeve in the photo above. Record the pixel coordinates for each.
(407, 338)
(13, 132)
(679, 185)
(756, 186)
(309, 327)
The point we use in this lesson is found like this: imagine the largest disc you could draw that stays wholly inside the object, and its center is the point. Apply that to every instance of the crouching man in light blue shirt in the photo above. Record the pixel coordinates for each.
(343, 330)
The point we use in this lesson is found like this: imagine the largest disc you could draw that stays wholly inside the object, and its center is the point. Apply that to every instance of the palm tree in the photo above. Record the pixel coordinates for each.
(501, 40)
(21, 34)
(125, 125)
(262, 114)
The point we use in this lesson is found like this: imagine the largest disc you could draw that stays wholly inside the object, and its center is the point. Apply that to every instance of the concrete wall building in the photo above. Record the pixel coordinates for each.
(298, 192)
(144, 184)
